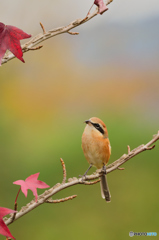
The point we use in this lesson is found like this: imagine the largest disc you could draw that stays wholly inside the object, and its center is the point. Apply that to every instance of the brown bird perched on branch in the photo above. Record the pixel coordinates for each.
(96, 148)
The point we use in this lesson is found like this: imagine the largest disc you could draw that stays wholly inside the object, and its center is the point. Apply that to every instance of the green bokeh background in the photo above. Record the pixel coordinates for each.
(43, 104)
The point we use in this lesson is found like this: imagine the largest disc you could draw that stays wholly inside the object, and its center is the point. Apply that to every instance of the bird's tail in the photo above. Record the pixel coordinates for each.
(104, 188)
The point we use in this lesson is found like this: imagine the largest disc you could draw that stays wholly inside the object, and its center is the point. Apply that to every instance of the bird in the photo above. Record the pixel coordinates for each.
(97, 150)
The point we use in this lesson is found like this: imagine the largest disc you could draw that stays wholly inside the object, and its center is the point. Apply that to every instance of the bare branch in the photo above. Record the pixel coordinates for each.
(73, 181)
(111, 167)
(51, 33)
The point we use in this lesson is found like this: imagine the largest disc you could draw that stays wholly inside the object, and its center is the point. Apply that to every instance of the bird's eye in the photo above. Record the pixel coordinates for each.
(98, 127)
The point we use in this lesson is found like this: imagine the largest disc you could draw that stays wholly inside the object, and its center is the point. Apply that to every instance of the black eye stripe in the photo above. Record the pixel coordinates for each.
(98, 127)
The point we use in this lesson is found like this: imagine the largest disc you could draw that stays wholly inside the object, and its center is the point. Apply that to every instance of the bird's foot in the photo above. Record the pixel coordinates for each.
(103, 170)
(83, 177)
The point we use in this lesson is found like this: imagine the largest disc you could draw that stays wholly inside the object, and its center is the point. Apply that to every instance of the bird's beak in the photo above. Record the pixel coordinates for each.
(87, 121)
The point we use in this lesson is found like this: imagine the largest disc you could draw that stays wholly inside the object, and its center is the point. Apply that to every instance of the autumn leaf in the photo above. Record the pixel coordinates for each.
(4, 230)
(101, 6)
(10, 37)
(31, 183)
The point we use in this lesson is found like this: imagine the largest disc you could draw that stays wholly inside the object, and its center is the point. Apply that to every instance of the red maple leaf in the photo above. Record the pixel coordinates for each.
(4, 230)
(101, 6)
(10, 37)
(31, 183)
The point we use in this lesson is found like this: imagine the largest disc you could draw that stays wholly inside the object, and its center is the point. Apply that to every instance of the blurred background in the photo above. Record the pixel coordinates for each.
(110, 70)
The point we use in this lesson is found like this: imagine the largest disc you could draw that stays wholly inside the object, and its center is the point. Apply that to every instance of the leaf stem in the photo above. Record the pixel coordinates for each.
(15, 203)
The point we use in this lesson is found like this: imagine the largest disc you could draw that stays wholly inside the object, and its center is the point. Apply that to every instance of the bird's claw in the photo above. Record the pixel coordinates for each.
(83, 177)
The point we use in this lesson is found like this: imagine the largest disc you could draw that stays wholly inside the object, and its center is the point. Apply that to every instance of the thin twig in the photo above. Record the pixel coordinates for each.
(120, 168)
(51, 33)
(42, 26)
(36, 48)
(61, 200)
(149, 148)
(128, 149)
(74, 181)
(90, 183)
(64, 170)
(73, 33)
